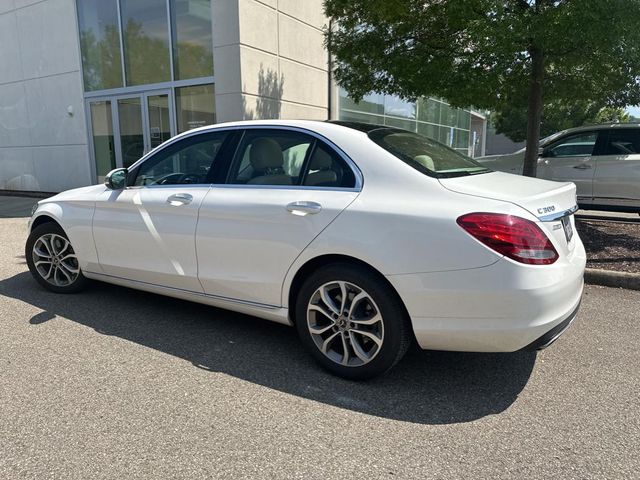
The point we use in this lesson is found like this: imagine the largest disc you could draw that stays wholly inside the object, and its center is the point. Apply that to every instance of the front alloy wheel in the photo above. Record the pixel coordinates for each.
(52, 260)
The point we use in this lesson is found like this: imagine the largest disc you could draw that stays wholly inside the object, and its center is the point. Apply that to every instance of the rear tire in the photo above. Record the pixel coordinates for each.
(351, 321)
(52, 260)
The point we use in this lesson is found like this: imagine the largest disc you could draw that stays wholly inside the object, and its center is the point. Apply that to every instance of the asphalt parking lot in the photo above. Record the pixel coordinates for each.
(114, 383)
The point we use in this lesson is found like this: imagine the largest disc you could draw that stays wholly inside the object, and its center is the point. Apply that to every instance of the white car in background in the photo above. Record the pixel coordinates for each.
(362, 237)
(602, 160)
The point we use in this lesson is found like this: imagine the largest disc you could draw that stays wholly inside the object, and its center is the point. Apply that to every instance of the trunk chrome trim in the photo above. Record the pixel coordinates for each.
(558, 215)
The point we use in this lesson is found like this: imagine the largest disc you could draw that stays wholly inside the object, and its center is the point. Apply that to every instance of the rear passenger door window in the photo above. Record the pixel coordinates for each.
(270, 157)
(622, 142)
(327, 169)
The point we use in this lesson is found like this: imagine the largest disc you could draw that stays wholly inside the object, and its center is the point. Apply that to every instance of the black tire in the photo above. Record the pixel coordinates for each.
(50, 228)
(396, 331)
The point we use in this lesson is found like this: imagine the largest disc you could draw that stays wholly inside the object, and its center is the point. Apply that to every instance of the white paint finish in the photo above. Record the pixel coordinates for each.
(62, 167)
(249, 238)
(16, 169)
(308, 11)
(14, 117)
(578, 170)
(48, 38)
(73, 210)
(11, 69)
(302, 43)
(48, 99)
(141, 237)
(258, 25)
(303, 84)
(461, 295)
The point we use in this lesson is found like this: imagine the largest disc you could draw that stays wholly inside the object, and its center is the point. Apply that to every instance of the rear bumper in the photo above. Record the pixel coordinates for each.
(552, 335)
(504, 307)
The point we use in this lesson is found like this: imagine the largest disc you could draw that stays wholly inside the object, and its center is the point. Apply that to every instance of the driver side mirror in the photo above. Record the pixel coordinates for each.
(116, 179)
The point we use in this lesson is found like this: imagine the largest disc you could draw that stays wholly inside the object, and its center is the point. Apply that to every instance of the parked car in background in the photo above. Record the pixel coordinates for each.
(602, 160)
(363, 237)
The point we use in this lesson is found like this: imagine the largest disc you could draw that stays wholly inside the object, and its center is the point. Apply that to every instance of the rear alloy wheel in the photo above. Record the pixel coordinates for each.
(52, 260)
(352, 322)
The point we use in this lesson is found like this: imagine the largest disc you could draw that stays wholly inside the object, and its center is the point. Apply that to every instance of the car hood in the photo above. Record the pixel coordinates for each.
(81, 194)
(541, 198)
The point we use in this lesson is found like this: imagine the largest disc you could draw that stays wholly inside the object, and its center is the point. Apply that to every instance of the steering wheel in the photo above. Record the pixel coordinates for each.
(178, 178)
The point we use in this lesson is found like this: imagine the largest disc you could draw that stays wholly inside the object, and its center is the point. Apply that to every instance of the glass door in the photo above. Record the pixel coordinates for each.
(125, 127)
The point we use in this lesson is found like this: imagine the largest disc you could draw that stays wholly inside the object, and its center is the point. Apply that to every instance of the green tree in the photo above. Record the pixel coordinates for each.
(489, 53)
(512, 120)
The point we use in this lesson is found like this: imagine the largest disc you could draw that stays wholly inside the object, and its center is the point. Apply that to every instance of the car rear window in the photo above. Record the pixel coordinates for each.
(425, 155)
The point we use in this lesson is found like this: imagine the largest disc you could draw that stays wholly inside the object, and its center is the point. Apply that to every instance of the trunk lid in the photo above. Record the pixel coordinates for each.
(549, 201)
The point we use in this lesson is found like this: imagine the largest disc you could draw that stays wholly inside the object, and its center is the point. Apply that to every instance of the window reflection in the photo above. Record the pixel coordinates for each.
(100, 44)
(195, 107)
(192, 42)
(146, 41)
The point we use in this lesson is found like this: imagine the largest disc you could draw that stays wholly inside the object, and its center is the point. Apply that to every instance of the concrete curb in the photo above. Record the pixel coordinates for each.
(609, 278)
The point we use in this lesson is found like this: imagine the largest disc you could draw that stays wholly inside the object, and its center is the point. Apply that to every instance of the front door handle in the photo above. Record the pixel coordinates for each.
(583, 166)
(303, 208)
(178, 199)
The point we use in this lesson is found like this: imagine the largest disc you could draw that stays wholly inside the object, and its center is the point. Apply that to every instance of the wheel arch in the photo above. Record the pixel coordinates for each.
(44, 218)
(327, 259)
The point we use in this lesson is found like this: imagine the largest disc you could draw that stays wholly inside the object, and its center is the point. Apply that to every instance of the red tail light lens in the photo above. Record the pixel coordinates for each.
(514, 237)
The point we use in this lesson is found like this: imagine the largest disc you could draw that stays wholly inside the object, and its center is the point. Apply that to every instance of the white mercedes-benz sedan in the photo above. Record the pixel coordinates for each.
(363, 237)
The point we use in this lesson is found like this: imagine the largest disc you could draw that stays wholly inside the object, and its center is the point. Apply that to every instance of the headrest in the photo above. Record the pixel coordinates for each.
(265, 153)
(321, 160)
(426, 161)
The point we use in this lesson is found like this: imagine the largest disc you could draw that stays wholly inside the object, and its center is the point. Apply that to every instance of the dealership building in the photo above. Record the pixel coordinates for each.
(90, 85)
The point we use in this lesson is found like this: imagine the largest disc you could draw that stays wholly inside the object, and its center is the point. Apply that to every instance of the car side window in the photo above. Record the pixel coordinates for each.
(622, 142)
(577, 145)
(270, 157)
(327, 169)
(186, 162)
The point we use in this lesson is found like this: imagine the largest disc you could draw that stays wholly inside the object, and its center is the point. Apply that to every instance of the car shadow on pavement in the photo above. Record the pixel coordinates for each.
(426, 387)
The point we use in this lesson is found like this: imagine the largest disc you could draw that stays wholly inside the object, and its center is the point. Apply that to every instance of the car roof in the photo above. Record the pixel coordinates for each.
(602, 126)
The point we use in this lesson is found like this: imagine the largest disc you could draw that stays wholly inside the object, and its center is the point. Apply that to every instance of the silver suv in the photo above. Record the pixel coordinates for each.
(602, 160)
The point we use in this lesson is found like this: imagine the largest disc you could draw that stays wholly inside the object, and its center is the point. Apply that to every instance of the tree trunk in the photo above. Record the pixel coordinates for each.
(534, 114)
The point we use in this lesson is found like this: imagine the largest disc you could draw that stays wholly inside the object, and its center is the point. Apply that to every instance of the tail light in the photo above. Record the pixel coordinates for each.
(514, 237)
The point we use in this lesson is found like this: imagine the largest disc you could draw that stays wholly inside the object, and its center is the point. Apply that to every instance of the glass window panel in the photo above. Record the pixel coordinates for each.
(102, 133)
(159, 122)
(397, 107)
(195, 107)
(100, 44)
(327, 169)
(373, 103)
(187, 162)
(192, 43)
(131, 136)
(361, 117)
(400, 123)
(270, 157)
(146, 41)
(429, 110)
(430, 131)
(461, 139)
(464, 119)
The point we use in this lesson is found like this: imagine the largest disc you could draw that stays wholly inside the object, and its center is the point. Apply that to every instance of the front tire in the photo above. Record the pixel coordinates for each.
(52, 260)
(351, 321)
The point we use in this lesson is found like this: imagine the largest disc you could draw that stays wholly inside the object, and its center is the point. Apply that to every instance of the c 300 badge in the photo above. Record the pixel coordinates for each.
(549, 209)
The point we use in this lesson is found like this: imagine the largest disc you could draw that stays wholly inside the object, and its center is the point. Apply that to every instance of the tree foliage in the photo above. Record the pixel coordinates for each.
(483, 52)
(512, 121)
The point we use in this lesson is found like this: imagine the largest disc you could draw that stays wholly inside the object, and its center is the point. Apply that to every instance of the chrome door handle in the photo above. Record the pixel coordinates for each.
(583, 166)
(178, 199)
(304, 208)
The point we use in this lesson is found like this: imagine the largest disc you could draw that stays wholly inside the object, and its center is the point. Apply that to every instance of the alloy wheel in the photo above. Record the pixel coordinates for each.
(55, 261)
(345, 323)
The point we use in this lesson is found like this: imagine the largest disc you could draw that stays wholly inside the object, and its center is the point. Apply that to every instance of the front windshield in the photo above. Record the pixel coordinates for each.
(425, 155)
